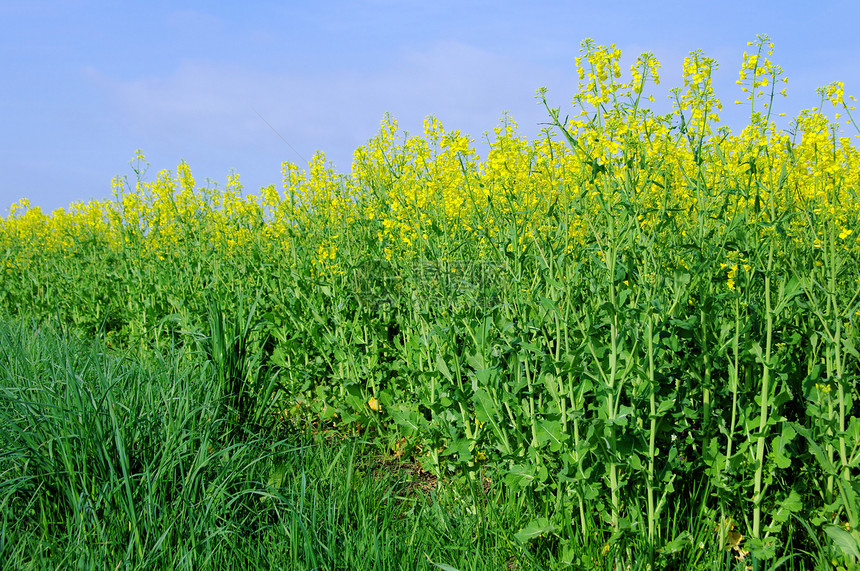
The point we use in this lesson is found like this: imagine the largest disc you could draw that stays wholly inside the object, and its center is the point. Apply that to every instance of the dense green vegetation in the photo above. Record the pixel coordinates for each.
(630, 343)
(109, 462)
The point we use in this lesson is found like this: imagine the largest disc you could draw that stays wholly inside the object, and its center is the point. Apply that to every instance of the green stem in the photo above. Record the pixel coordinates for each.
(765, 392)
(653, 433)
(733, 380)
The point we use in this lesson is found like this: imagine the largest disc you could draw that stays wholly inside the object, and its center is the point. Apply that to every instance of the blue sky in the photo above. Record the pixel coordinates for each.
(86, 83)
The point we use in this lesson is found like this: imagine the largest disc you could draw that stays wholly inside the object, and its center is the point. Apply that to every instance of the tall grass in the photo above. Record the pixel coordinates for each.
(113, 463)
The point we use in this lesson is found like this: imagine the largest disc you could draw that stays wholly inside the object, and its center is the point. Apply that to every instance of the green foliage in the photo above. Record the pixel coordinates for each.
(647, 331)
(112, 462)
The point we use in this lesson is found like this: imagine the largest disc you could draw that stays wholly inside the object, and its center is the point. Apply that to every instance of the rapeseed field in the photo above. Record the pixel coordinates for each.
(645, 325)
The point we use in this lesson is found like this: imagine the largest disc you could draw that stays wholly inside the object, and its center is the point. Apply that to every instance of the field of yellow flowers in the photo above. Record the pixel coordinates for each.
(614, 316)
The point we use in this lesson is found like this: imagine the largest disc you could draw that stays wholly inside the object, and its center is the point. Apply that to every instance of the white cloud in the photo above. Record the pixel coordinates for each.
(466, 87)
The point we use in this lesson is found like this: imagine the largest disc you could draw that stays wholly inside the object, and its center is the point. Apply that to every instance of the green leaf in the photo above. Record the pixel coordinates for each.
(819, 454)
(755, 350)
(846, 542)
(781, 398)
(791, 504)
(552, 383)
(461, 448)
(850, 348)
(683, 540)
(763, 549)
(276, 477)
(535, 528)
(521, 476)
(442, 566)
(550, 307)
(485, 407)
(664, 407)
(780, 458)
(551, 431)
(443, 368)
(850, 491)
(410, 421)
(792, 289)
